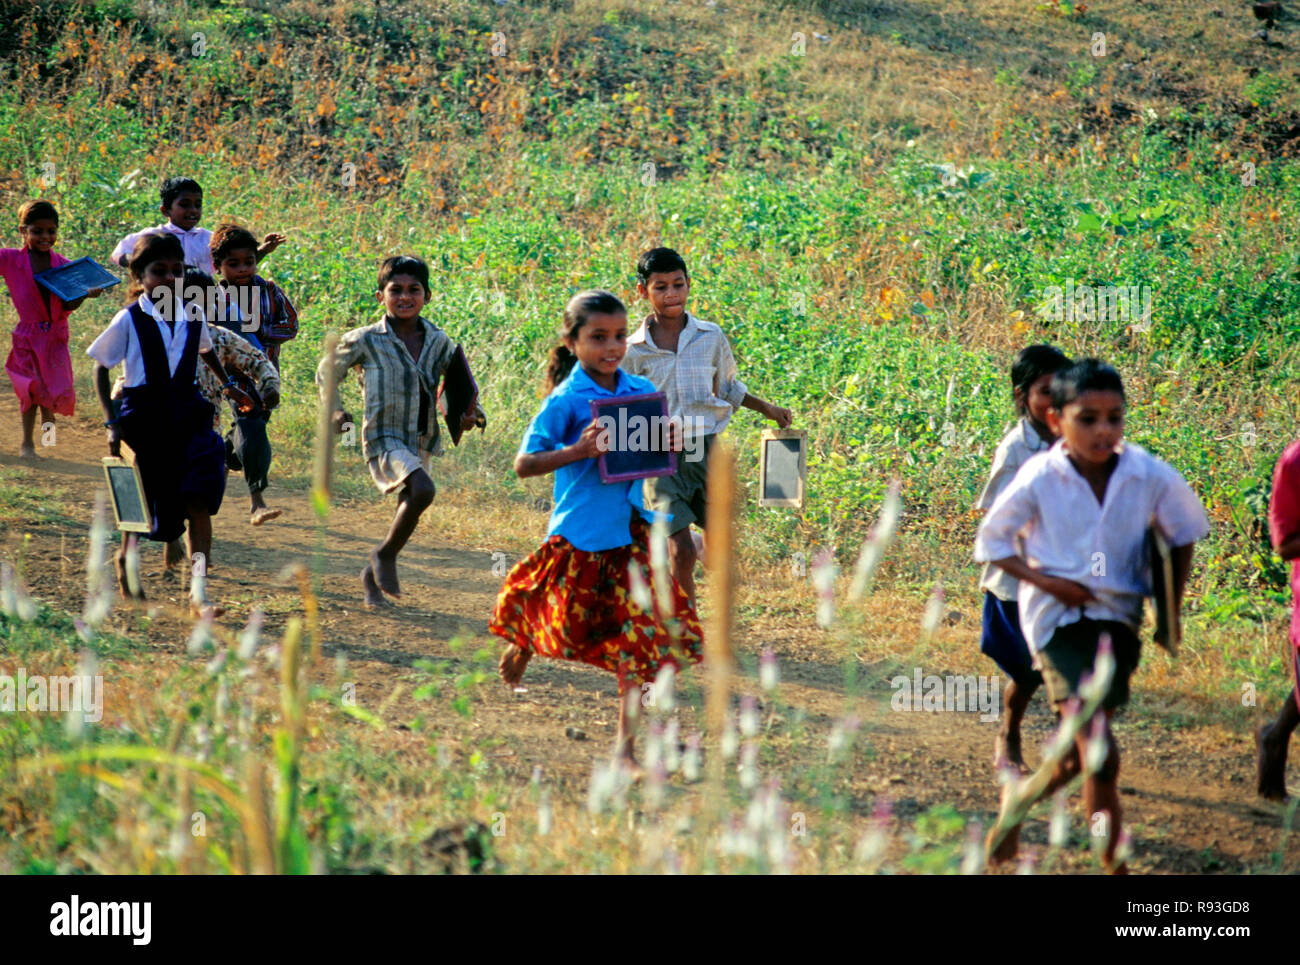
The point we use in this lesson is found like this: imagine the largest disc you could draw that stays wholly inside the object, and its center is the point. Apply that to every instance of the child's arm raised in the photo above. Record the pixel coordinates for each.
(272, 241)
(589, 445)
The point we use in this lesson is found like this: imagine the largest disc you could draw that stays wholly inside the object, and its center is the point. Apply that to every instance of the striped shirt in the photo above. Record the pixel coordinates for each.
(277, 319)
(699, 379)
(397, 389)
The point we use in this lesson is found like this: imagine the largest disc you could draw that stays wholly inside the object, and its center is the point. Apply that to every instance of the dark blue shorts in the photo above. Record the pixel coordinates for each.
(1002, 640)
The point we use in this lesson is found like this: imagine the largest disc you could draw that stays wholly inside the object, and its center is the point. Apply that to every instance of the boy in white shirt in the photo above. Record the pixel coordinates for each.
(1082, 510)
(182, 203)
(1001, 637)
(690, 361)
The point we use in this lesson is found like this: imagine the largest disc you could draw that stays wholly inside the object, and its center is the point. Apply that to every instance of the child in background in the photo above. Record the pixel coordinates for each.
(690, 361)
(163, 418)
(401, 360)
(1083, 510)
(1001, 639)
(248, 449)
(39, 364)
(182, 203)
(235, 253)
(572, 598)
(1271, 740)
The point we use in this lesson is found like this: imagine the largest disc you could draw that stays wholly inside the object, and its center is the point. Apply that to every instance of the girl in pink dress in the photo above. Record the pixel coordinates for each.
(39, 364)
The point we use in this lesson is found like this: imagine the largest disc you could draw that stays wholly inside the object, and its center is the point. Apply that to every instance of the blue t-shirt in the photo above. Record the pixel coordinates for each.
(590, 514)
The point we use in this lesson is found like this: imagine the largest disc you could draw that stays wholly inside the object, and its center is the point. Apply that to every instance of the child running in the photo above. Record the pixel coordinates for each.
(1284, 529)
(248, 450)
(168, 425)
(182, 203)
(1001, 639)
(39, 364)
(274, 321)
(401, 359)
(1083, 509)
(572, 598)
(690, 361)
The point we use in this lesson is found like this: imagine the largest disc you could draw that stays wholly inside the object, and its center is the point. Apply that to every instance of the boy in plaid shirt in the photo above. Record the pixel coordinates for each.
(235, 254)
(690, 361)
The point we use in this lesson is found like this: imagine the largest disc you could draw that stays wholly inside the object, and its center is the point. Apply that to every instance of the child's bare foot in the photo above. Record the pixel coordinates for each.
(1007, 755)
(385, 573)
(27, 451)
(1115, 869)
(202, 610)
(123, 581)
(262, 514)
(1270, 763)
(374, 596)
(1006, 849)
(512, 664)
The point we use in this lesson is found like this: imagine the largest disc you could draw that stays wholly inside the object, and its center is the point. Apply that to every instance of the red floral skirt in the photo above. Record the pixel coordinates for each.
(571, 604)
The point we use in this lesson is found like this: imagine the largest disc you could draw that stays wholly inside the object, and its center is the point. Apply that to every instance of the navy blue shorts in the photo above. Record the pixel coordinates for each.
(1002, 640)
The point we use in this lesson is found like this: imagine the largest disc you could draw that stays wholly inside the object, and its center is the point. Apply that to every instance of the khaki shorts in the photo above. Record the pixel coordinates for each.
(390, 469)
(1072, 651)
(683, 493)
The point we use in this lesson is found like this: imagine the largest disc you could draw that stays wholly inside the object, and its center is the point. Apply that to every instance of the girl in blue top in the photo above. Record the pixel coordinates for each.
(572, 599)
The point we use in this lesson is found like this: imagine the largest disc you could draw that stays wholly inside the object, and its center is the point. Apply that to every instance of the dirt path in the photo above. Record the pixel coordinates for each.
(1187, 789)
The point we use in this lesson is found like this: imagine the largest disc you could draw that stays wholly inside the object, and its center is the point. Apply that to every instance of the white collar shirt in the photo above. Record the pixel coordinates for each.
(195, 242)
(699, 379)
(1015, 449)
(1067, 534)
(119, 345)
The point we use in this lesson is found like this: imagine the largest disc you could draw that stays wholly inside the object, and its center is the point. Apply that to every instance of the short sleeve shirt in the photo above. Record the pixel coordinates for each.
(590, 514)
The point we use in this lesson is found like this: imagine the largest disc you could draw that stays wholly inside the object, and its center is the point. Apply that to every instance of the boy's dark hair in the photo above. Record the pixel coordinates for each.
(150, 247)
(229, 238)
(579, 308)
(173, 188)
(404, 265)
(659, 260)
(1085, 375)
(38, 210)
(1031, 364)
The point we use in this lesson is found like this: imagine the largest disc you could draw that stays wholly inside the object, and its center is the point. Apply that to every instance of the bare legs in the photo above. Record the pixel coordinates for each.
(1270, 750)
(28, 450)
(381, 573)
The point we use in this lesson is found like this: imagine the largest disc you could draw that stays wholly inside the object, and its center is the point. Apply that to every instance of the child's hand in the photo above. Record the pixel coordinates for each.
(242, 400)
(94, 292)
(1067, 591)
(589, 444)
(272, 241)
(270, 399)
(780, 416)
(342, 420)
(675, 439)
(114, 442)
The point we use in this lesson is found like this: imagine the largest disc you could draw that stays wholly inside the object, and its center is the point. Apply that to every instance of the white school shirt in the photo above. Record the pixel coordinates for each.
(1067, 534)
(196, 243)
(699, 379)
(118, 343)
(1015, 449)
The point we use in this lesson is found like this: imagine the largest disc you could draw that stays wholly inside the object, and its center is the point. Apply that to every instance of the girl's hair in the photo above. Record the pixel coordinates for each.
(229, 238)
(656, 260)
(173, 188)
(151, 246)
(404, 265)
(38, 210)
(1031, 364)
(1085, 375)
(580, 308)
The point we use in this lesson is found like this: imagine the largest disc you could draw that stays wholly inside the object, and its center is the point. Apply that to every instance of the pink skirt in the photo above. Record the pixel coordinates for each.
(40, 368)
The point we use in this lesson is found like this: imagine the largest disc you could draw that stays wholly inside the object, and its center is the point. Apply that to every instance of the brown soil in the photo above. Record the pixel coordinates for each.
(1187, 785)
